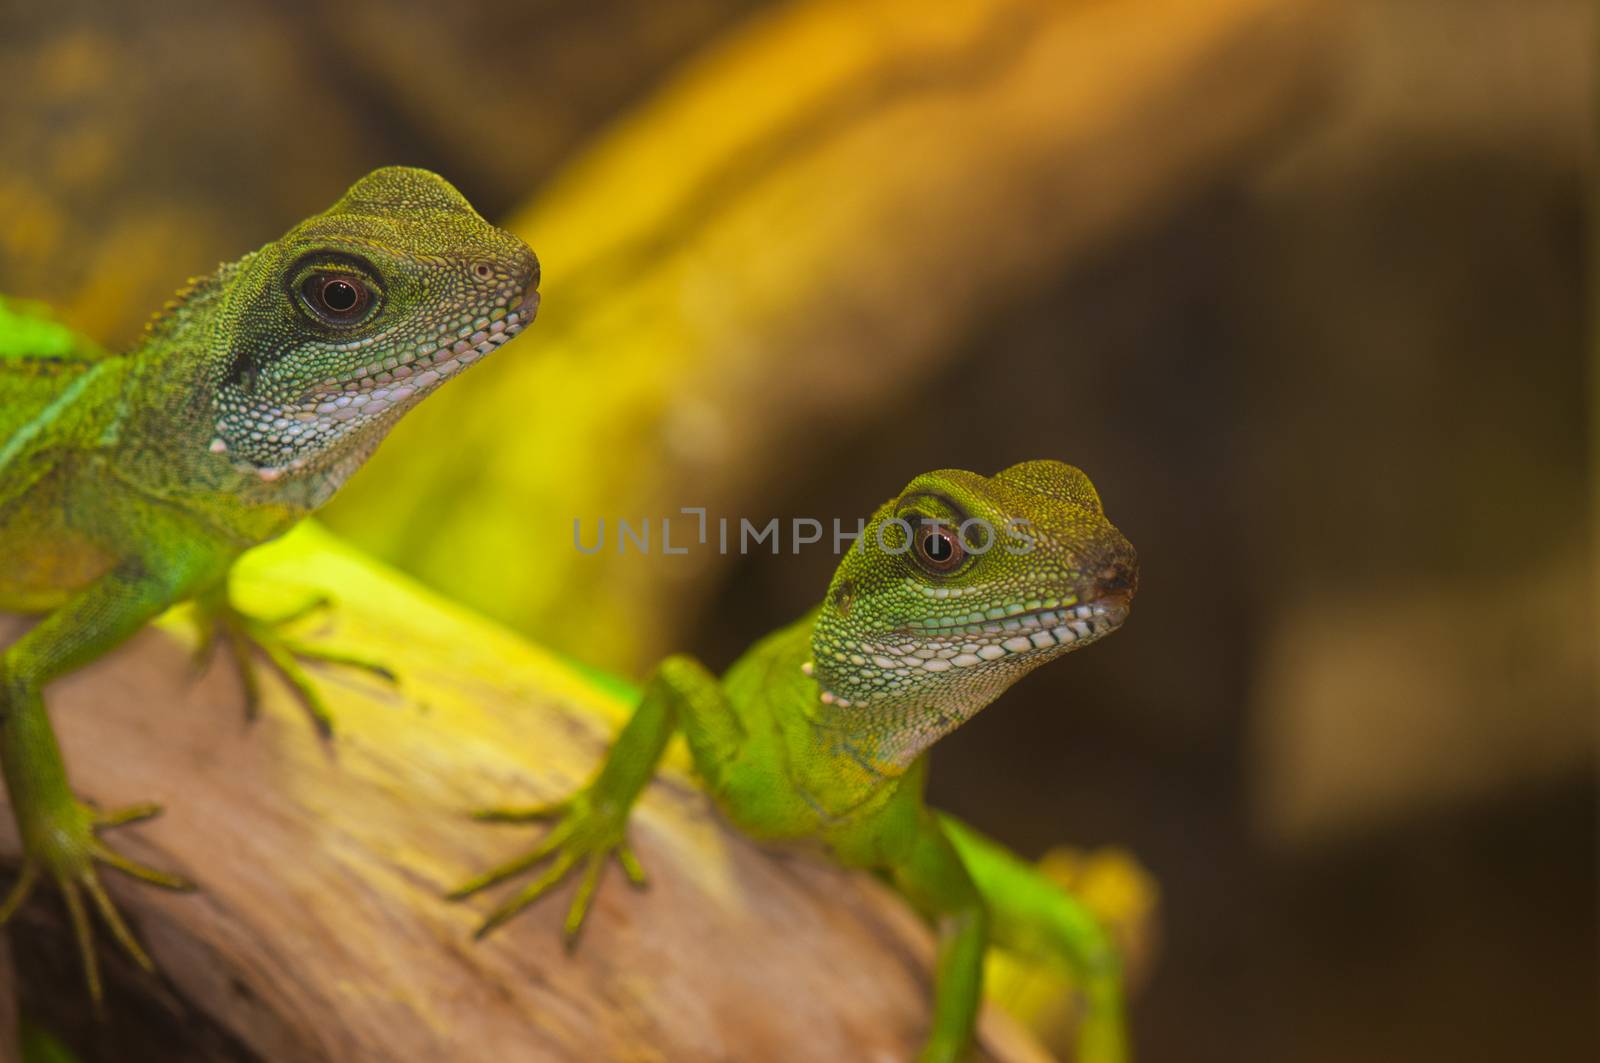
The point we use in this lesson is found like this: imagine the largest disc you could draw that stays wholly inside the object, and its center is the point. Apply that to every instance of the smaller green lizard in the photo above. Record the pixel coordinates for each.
(131, 482)
(955, 590)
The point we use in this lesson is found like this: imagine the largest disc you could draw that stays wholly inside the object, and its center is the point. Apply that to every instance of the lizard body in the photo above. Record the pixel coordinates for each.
(131, 482)
(820, 732)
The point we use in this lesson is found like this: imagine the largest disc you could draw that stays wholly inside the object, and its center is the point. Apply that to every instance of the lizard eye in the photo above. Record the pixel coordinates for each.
(337, 298)
(938, 549)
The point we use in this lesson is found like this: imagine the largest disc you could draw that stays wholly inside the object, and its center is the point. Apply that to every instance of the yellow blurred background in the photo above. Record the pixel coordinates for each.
(1299, 284)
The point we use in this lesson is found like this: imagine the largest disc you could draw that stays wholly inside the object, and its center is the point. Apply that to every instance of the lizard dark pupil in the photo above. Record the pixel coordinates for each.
(337, 298)
(340, 296)
(938, 551)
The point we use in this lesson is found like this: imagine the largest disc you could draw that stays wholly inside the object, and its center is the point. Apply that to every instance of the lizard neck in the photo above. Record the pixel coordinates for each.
(886, 729)
(888, 734)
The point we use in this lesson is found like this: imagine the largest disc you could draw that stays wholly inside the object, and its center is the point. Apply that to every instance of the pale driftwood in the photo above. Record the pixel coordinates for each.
(810, 220)
(320, 932)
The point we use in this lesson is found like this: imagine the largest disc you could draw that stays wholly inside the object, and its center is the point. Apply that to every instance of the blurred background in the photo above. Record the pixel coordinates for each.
(1300, 284)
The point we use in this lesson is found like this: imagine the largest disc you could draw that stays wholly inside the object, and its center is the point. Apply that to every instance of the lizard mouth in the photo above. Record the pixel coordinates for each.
(1021, 633)
(947, 643)
(452, 353)
(377, 388)
(1068, 625)
(1092, 609)
(1096, 612)
(1031, 633)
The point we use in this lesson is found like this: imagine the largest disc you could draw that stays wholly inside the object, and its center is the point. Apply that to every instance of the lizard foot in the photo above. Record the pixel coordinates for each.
(247, 636)
(587, 829)
(66, 847)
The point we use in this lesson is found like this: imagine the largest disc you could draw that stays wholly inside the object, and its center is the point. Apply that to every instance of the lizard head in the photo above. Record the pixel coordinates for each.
(965, 583)
(331, 333)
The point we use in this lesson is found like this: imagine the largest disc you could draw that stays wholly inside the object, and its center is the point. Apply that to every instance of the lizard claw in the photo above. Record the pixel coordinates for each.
(246, 636)
(68, 849)
(585, 834)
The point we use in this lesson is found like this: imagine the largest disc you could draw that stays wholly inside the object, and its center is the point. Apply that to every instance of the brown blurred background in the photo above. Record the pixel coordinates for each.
(1300, 285)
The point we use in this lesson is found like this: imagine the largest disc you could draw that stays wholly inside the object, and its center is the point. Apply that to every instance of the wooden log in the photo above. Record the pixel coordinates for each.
(805, 224)
(320, 931)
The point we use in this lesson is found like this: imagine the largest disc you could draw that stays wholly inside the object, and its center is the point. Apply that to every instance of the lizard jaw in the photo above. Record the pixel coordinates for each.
(377, 386)
(1038, 633)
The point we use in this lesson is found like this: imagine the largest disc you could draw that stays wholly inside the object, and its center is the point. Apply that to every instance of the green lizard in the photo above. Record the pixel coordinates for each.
(956, 589)
(130, 483)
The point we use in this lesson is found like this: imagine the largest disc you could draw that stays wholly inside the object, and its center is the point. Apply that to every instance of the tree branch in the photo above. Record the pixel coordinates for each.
(320, 932)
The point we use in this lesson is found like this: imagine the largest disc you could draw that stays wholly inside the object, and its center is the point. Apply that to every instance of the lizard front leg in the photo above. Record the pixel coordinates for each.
(929, 873)
(591, 825)
(250, 639)
(1035, 917)
(58, 831)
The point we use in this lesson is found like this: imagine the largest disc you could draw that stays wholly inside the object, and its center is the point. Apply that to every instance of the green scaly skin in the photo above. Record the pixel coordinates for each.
(129, 483)
(821, 731)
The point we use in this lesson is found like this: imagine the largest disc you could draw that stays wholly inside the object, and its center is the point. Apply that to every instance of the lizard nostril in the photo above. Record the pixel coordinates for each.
(1116, 579)
(529, 305)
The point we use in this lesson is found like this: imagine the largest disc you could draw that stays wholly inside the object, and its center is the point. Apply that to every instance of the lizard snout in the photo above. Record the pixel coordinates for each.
(529, 305)
(1117, 581)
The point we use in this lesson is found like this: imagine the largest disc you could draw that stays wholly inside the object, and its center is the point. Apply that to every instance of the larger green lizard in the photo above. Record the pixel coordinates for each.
(956, 589)
(133, 482)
